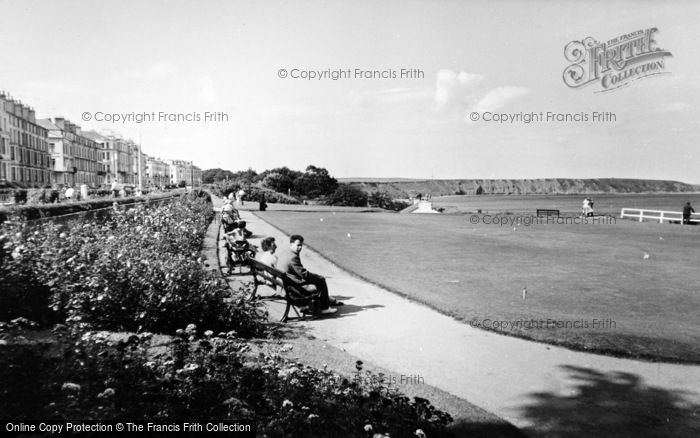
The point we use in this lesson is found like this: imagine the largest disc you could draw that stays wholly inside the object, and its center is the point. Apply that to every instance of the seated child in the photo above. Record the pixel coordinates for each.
(237, 243)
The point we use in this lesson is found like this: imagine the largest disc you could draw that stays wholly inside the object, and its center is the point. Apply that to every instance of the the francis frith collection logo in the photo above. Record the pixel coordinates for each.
(615, 63)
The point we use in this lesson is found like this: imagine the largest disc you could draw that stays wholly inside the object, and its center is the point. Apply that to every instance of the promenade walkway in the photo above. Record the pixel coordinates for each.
(544, 390)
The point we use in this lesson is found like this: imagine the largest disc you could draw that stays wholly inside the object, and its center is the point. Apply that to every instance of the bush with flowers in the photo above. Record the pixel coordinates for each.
(139, 269)
(207, 378)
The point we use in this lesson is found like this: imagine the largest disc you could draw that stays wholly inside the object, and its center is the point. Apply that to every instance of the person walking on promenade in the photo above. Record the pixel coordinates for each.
(263, 204)
(289, 262)
(69, 193)
(115, 188)
(687, 211)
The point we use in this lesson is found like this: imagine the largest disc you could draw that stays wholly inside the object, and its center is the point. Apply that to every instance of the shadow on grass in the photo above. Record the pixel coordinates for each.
(611, 404)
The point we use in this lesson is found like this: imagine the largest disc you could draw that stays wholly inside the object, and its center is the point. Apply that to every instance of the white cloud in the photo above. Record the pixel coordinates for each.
(499, 97)
(455, 87)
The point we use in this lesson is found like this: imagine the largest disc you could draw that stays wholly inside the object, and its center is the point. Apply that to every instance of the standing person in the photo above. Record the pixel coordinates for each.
(289, 262)
(263, 204)
(587, 207)
(69, 193)
(240, 196)
(687, 211)
(115, 188)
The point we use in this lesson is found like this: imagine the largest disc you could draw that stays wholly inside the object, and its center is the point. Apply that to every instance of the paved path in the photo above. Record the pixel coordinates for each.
(524, 382)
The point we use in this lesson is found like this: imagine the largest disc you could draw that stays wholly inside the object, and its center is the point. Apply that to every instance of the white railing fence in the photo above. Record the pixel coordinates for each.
(657, 215)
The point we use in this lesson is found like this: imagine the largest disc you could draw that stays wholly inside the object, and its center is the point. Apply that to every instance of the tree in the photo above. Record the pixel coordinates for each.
(383, 200)
(245, 176)
(315, 182)
(211, 176)
(280, 179)
(349, 196)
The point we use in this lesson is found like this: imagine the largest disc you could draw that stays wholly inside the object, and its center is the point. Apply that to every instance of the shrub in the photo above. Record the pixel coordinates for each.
(42, 196)
(20, 196)
(138, 270)
(347, 195)
(98, 376)
(383, 200)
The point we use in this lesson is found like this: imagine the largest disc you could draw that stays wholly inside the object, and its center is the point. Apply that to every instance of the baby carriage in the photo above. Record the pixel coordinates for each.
(239, 250)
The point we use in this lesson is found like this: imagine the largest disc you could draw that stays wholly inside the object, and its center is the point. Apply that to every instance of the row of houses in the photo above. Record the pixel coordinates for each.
(56, 152)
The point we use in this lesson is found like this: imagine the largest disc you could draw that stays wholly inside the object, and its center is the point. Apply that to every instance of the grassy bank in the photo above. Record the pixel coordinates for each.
(621, 288)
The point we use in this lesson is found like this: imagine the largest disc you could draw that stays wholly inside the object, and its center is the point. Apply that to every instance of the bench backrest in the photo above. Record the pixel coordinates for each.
(295, 292)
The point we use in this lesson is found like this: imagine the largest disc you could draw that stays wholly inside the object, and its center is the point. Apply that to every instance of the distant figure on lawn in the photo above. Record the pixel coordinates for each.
(687, 211)
(587, 208)
(289, 262)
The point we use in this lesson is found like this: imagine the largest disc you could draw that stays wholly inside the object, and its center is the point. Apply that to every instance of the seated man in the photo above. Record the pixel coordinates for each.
(289, 262)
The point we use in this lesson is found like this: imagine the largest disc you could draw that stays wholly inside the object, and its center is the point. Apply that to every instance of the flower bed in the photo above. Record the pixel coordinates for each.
(100, 376)
(138, 270)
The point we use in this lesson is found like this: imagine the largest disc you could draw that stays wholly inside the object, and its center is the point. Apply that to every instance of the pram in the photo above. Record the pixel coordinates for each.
(239, 251)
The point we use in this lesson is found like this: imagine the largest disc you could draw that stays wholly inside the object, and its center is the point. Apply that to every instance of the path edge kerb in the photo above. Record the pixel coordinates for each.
(596, 351)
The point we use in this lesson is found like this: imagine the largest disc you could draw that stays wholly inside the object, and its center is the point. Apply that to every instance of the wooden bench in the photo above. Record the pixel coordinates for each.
(288, 294)
(547, 212)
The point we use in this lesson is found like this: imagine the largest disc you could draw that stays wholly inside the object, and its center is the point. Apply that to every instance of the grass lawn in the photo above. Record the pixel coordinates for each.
(623, 288)
(606, 204)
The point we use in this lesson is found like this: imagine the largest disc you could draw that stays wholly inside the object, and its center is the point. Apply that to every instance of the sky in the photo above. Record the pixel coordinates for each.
(87, 60)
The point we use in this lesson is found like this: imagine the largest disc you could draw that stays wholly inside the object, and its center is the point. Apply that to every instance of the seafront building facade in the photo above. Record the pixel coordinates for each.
(55, 152)
(157, 172)
(73, 154)
(24, 154)
(186, 171)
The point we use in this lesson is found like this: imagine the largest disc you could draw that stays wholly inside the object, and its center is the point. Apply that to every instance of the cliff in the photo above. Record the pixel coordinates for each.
(403, 188)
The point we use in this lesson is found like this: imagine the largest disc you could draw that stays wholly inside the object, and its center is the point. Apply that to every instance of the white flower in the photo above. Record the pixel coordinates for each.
(70, 386)
(190, 367)
(109, 392)
(287, 404)
(368, 428)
